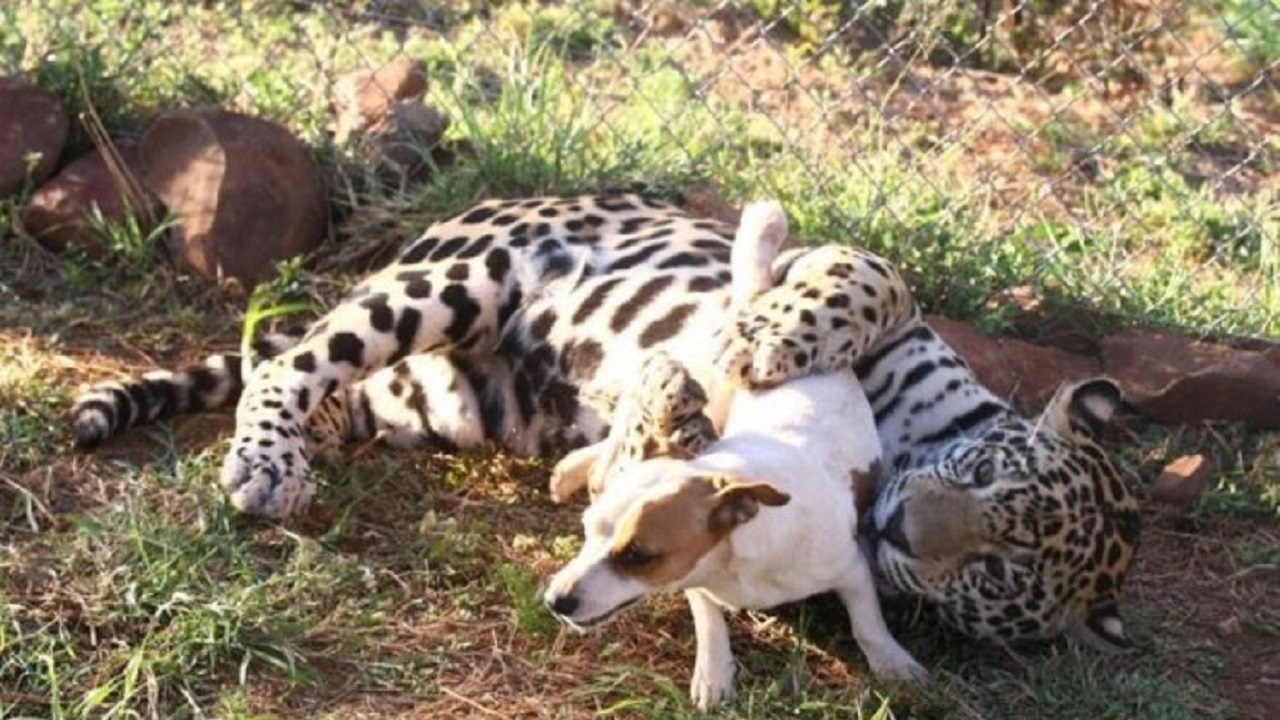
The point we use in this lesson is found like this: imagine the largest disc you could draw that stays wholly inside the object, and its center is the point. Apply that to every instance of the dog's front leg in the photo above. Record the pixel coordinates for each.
(888, 659)
(713, 669)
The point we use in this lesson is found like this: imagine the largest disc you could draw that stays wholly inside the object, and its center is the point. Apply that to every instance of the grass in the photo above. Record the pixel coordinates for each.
(131, 588)
(1251, 25)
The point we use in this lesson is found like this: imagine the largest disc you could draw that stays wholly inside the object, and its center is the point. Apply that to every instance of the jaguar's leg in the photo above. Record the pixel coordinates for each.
(830, 306)
(668, 414)
(423, 401)
(661, 416)
(428, 306)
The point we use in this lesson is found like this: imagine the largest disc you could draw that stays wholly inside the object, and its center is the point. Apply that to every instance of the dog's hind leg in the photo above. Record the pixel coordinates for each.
(761, 233)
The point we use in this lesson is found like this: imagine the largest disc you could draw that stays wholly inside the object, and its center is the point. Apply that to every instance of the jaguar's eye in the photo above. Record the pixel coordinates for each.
(984, 473)
(631, 556)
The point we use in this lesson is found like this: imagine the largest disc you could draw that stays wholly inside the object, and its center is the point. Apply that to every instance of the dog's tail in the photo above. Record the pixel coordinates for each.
(761, 232)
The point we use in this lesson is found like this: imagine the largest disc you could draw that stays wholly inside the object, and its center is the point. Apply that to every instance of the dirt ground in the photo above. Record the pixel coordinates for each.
(1187, 581)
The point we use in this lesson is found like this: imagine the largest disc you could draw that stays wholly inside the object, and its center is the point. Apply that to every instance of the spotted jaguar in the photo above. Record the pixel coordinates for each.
(517, 321)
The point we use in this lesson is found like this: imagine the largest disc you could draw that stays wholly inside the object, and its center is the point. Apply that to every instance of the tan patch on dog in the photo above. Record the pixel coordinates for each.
(864, 486)
(660, 542)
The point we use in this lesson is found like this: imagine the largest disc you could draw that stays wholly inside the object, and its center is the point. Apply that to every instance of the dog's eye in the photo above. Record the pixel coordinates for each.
(984, 473)
(631, 556)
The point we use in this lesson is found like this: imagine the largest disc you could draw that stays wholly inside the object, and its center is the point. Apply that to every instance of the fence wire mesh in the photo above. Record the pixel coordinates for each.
(1011, 156)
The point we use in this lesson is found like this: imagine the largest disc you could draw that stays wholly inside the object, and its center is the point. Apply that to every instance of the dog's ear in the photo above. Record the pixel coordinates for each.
(738, 500)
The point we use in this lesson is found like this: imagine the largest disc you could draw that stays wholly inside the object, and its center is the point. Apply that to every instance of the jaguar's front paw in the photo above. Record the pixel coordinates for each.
(271, 480)
(754, 354)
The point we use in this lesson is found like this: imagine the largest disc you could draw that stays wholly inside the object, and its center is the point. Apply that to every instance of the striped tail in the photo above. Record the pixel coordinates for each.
(108, 408)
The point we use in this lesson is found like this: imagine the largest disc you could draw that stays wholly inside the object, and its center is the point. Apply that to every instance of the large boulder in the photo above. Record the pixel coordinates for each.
(33, 129)
(245, 192)
(59, 213)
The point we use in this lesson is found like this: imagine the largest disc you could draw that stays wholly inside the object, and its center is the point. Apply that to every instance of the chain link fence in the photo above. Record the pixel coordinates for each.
(1016, 158)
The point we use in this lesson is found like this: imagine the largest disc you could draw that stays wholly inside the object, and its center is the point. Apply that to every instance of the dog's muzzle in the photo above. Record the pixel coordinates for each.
(564, 606)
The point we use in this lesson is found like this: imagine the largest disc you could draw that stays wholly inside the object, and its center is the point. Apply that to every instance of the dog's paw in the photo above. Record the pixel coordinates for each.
(572, 472)
(712, 684)
(564, 484)
(897, 665)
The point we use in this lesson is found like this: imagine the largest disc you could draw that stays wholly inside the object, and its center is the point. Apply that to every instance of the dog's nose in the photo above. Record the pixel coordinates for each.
(563, 604)
(894, 533)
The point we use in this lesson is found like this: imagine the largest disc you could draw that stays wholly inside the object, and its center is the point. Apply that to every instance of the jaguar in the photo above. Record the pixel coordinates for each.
(520, 321)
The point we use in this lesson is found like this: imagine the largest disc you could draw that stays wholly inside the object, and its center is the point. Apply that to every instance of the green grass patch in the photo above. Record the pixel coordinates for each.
(1252, 26)
(1077, 685)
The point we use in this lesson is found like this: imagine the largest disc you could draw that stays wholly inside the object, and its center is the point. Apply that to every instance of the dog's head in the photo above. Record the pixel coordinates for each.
(656, 526)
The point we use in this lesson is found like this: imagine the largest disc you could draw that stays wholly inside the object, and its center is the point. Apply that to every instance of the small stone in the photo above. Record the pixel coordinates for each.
(365, 98)
(1183, 481)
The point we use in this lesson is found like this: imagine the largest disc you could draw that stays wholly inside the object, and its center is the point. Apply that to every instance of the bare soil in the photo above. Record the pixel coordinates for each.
(1188, 582)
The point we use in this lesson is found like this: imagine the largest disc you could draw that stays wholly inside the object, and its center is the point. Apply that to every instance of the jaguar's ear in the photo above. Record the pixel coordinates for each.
(1101, 627)
(1084, 408)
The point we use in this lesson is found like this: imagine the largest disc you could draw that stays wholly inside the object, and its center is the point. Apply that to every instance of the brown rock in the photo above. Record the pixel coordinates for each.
(669, 18)
(1025, 373)
(1183, 481)
(245, 191)
(33, 125)
(362, 99)
(60, 212)
(1172, 378)
(705, 201)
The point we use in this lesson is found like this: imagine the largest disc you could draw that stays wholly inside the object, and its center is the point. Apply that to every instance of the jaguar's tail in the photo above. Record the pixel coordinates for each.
(108, 408)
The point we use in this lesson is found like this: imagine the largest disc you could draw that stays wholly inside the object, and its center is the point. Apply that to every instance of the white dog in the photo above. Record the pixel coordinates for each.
(765, 515)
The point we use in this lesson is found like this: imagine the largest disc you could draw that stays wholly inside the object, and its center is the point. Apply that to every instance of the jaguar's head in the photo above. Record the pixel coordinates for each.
(1024, 531)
